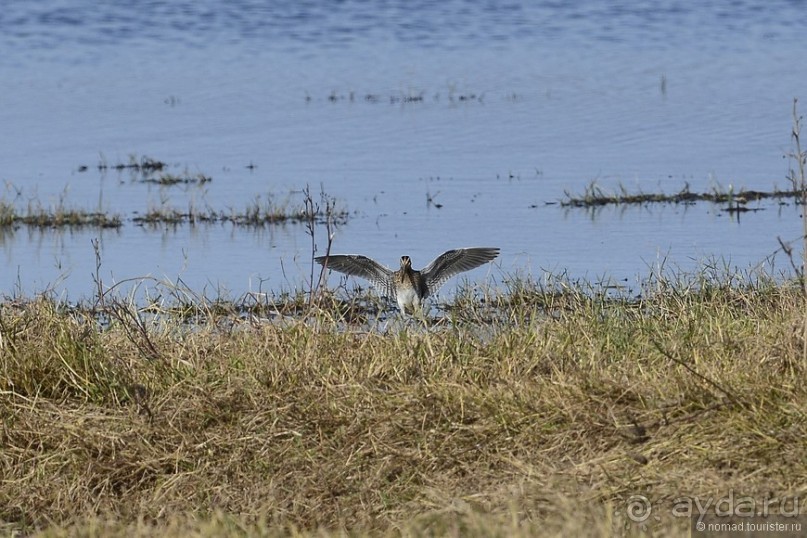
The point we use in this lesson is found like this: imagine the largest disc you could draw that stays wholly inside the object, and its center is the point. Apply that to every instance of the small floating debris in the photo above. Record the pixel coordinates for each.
(431, 200)
(401, 97)
(168, 180)
(406, 98)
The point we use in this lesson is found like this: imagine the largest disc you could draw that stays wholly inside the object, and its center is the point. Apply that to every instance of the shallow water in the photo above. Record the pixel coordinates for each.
(520, 103)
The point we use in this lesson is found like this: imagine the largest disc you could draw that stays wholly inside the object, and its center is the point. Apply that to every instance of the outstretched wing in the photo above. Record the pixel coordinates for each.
(352, 264)
(455, 261)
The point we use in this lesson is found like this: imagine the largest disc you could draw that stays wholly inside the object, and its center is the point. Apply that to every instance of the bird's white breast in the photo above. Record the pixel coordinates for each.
(408, 298)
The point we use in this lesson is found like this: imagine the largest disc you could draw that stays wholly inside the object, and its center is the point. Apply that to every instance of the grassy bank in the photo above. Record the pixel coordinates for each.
(554, 419)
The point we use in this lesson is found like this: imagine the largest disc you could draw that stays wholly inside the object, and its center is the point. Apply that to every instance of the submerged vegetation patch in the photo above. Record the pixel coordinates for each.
(297, 207)
(257, 214)
(595, 195)
(146, 169)
(167, 180)
(57, 217)
(144, 165)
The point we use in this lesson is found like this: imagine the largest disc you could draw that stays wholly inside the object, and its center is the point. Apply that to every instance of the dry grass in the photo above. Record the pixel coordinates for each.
(545, 421)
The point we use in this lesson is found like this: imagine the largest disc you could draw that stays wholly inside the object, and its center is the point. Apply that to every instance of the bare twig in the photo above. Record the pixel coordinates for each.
(126, 314)
(697, 374)
(798, 180)
(788, 250)
(97, 275)
(312, 211)
(330, 230)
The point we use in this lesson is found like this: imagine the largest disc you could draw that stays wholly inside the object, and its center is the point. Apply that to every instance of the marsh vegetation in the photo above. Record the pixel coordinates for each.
(521, 408)
(22, 209)
(595, 195)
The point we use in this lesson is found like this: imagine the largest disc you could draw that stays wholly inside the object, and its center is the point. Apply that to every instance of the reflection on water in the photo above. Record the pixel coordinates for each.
(437, 125)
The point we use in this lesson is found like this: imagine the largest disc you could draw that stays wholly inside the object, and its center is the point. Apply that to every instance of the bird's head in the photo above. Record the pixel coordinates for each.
(406, 263)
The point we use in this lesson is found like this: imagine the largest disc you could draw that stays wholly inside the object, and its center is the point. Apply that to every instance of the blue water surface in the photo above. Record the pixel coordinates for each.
(435, 124)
